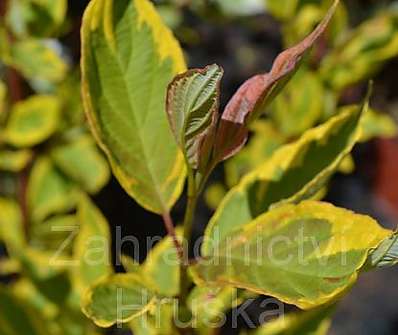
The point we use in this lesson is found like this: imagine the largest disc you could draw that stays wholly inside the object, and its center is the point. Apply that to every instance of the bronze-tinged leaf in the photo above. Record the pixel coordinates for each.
(192, 109)
(257, 92)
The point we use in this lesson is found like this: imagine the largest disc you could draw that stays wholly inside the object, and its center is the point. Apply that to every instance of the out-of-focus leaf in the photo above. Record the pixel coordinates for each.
(53, 233)
(119, 298)
(82, 162)
(69, 92)
(9, 266)
(49, 192)
(11, 226)
(17, 318)
(306, 254)
(92, 245)
(282, 9)
(214, 195)
(32, 121)
(208, 304)
(309, 15)
(193, 100)
(314, 322)
(361, 54)
(129, 57)
(161, 268)
(300, 105)
(158, 321)
(14, 161)
(242, 7)
(264, 140)
(130, 264)
(171, 15)
(347, 165)
(24, 289)
(35, 17)
(375, 124)
(295, 172)
(37, 59)
(47, 271)
(3, 95)
(258, 92)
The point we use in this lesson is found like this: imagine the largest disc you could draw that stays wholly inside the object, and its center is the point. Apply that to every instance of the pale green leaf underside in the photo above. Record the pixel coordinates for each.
(129, 57)
(192, 101)
(304, 254)
(295, 172)
(118, 298)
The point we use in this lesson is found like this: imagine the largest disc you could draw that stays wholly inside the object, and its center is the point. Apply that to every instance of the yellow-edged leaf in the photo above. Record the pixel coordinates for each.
(129, 57)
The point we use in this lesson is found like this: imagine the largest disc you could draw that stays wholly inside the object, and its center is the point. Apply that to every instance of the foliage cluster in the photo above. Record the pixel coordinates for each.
(283, 135)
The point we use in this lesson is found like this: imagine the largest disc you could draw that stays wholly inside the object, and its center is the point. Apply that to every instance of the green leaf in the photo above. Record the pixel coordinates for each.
(92, 245)
(15, 161)
(386, 254)
(193, 100)
(35, 17)
(129, 57)
(53, 233)
(16, 317)
(314, 322)
(214, 194)
(32, 121)
(300, 105)
(12, 231)
(296, 171)
(207, 304)
(37, 59)
(48, 191)
(119, 298)
(161, 268)
(282, 9)
(375, 124)
(363, 51)
(47, 272)
(130, 264)
(308, 15)
(306, 254)
(3, 95)
(82, 162)
(159, 321)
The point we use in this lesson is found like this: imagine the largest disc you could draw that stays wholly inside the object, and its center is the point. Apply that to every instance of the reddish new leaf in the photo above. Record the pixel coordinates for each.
(257, 92)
